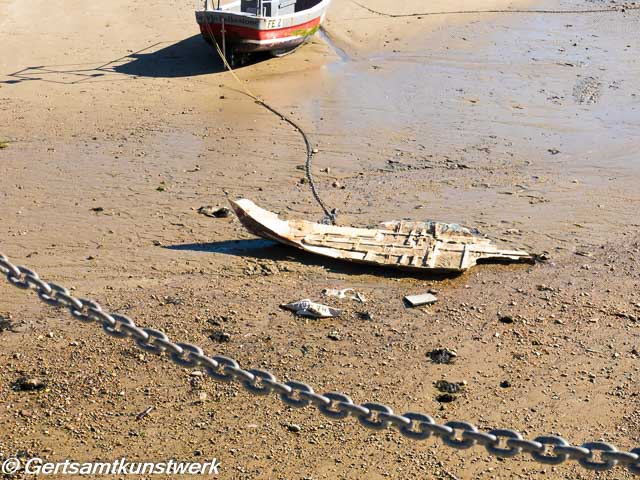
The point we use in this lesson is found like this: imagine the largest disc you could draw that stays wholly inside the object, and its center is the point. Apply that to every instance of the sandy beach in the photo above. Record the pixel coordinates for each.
(118, 123)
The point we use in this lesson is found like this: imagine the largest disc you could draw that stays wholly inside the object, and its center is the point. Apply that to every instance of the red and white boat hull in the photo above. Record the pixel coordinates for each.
(249, 33)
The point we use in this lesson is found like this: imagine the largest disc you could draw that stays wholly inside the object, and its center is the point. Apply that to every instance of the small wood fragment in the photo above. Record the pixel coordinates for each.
(419, 300)
(144, 413)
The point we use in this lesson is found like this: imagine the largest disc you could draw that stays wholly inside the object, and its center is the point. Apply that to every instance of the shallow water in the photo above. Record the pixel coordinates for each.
(545, 115)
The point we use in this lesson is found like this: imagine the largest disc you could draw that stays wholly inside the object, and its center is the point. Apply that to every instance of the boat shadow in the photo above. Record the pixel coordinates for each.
(190, 57)
(267, 250)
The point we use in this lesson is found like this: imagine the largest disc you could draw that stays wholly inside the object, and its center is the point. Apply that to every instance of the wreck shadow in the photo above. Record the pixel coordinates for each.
(268, 250)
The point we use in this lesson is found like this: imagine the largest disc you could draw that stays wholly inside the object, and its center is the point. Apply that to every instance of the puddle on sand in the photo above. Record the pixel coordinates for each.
(506, 81)
(517, 81)
(340, 52)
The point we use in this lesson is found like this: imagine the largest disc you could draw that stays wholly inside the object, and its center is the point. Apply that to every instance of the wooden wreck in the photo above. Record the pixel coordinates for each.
(400, 244)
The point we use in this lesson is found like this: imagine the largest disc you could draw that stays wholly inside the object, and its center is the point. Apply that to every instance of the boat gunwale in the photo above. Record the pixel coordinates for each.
(322, 6)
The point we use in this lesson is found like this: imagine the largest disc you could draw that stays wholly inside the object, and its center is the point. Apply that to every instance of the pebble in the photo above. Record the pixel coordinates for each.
(209, 211)
(446, 398)
(442, 355)
(220, 336)
(292, 427)
(335, 336)
(26, 384)
(450, 387)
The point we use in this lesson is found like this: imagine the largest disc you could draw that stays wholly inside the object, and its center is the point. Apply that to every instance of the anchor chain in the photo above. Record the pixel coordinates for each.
(503, 443)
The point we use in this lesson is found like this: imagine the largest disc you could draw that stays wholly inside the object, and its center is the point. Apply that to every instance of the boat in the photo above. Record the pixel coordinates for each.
(276, 26)
(400, 244)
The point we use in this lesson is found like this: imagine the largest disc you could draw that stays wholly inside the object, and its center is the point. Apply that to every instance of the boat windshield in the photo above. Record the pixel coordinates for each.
(276, 8)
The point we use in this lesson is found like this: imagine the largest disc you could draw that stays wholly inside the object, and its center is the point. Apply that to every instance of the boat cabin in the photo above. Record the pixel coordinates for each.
(275, 8)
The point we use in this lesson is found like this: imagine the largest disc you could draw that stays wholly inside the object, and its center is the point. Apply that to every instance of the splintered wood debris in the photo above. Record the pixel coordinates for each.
(405, 245)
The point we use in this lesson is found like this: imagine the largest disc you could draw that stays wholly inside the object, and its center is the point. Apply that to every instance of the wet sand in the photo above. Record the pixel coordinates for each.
(120, 124)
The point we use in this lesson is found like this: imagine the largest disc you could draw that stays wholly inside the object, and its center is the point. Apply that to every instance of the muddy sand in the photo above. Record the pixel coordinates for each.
(119, 123)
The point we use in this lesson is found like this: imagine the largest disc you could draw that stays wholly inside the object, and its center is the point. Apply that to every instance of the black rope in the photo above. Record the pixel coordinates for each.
(620, 9)
(330, 215)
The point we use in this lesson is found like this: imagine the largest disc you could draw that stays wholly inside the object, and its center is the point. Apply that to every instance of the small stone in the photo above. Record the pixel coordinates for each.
(335, 336)
(508, 319)
(445, 398)
(450, 387)
(442, 356)
(220, 336)
(292, 427)
(25, 384)
(209, 211)
(336, 184)
(505, 384)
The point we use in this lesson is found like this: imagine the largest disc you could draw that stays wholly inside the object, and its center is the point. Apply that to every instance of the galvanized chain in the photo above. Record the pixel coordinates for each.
(504, 443)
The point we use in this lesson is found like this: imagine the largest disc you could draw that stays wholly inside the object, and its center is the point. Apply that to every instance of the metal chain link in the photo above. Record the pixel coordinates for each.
(503, 443)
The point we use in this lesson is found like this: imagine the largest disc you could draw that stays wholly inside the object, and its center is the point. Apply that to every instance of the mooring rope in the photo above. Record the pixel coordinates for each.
(329, 214)
(620, 9)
